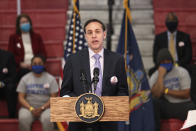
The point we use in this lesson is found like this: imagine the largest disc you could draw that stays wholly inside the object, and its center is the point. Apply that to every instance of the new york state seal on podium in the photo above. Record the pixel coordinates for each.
(89, 107)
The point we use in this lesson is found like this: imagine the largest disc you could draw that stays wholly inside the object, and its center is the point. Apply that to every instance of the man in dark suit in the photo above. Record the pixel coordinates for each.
(7, 83)
(112, 73)
(182, 52)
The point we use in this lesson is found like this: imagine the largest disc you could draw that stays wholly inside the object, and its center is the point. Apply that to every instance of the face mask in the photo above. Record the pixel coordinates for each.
(171, 26)
(25, 27)
(38, 69)
(167, 66)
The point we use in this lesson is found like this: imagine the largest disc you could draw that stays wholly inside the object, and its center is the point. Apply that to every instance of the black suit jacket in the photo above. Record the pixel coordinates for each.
(113, 66)
(7, 67)
(184, 52)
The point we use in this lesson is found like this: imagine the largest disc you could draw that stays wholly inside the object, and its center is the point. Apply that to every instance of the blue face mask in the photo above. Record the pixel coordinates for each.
(25, 27)
(167, 66)
(38, 69)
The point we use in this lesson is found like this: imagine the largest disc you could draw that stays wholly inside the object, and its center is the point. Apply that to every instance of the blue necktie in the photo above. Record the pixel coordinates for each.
(98, 65)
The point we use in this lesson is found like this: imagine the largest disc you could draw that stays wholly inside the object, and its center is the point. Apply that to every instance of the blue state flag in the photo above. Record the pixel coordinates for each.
(141, 108)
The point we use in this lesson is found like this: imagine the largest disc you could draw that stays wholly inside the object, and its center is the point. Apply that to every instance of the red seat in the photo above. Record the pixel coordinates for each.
(9, 17)
(9, 125)
(48, 32)
(44, 4)
(13, 125)
(47, 16)
(5, 32)
(172, 125)
(7, 4)
(54, 49)
(53, 66)
(3, 108)
(174, 3)
(37, 126)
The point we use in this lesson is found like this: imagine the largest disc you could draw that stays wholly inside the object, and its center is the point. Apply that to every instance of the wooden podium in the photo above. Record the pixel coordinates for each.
(116, 108)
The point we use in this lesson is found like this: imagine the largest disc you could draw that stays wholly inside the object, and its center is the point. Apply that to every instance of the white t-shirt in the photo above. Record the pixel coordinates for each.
(177, 79)
(37, 89)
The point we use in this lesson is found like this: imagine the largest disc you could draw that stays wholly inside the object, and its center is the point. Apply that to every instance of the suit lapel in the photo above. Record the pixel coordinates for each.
(86, 65)
(105, 69)
(177, 39)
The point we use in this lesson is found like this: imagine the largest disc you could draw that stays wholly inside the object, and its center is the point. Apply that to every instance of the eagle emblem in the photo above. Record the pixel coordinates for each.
(89, 107)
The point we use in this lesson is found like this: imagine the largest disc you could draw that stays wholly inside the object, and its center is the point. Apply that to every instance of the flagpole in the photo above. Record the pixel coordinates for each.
(74, 24)
(127, 17)
(110, 25)
(125, 46)
(18, 7)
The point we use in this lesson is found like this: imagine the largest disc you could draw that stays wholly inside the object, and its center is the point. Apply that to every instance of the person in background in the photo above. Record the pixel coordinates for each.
(177, 42)
(34, 92)
(170, 87)
(24, 44)
(7, 83)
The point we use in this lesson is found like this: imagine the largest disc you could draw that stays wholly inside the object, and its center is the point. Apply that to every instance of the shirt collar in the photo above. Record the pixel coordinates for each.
(91, 53)
(169, 33)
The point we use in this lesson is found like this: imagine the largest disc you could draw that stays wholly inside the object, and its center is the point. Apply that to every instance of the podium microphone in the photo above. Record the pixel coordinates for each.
(84, 80)
(96, 77)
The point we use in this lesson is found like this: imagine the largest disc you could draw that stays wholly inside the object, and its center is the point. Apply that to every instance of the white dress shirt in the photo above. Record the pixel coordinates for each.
(28, 52)
(92, 62)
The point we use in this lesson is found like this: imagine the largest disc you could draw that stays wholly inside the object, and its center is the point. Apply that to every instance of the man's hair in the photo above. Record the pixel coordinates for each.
(171, 16)
(18, 30)
(39, 56)
(93, 20)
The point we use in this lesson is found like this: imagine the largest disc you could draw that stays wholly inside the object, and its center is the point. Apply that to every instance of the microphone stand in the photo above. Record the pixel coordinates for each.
(84, 83)
(95, 82)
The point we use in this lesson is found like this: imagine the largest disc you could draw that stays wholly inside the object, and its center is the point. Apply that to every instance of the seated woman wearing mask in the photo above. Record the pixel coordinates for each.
(24, 44)
(34, 92)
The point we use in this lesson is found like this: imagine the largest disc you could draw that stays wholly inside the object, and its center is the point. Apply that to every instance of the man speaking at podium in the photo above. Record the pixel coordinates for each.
(95, 70)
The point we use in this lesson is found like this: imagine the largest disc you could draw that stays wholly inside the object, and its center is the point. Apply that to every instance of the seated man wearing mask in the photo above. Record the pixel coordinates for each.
(177, 42)
(170, 87)
(35, 90)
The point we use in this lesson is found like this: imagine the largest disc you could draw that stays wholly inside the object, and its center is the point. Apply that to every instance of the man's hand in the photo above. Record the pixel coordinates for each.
(158, 88)
(162, 71)
(37, 112)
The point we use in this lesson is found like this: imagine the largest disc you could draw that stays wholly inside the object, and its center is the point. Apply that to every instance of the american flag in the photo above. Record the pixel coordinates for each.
(75, 42)
(75, 39)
